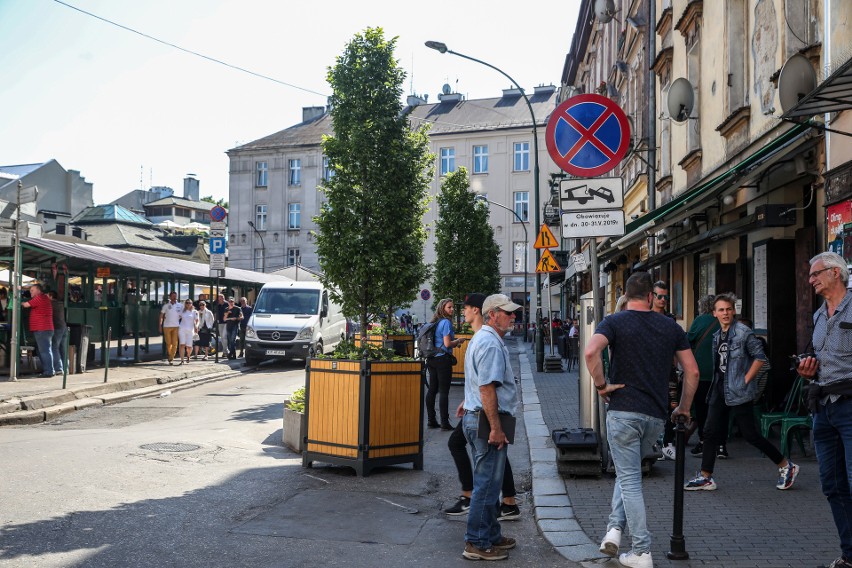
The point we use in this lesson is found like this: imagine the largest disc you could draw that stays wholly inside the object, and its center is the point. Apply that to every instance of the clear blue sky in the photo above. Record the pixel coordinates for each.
(125, 110)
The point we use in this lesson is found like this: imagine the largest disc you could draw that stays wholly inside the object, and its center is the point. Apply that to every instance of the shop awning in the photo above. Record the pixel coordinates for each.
(637, 229)
(832, 95)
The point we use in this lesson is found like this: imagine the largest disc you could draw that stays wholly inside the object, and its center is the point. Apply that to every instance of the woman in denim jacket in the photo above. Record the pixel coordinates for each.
(737, 359)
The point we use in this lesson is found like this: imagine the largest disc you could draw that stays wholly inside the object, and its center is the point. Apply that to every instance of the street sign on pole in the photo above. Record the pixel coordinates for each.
(218, 213)
(29, 194)
(218, 226)
(597, 193)
(545, 239)
(579, 262)
(547, 263)
(217, 245)
(6, 238)
(579, 224)
(217, 261)
(217, 273)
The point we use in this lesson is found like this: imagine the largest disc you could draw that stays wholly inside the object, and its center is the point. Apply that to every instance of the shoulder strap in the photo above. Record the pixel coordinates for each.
(703, 337)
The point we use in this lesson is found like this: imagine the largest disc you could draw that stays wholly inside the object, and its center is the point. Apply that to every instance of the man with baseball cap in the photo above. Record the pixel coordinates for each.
(487, 367)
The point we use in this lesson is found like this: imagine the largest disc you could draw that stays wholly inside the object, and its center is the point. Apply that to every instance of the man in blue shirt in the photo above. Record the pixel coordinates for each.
(489, 388)
(642, 345)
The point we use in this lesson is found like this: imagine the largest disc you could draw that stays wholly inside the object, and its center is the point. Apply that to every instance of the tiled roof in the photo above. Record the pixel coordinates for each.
(19, 170)
(183, 202)
(307, 133)
(109, 214)
(128, 236)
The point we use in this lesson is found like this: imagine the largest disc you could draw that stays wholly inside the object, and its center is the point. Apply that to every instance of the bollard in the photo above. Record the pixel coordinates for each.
(106, 360)
(677, 545)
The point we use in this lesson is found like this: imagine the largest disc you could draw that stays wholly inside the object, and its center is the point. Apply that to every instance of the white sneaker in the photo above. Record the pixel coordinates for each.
(669, 452)
(633, 560)
(611, 542)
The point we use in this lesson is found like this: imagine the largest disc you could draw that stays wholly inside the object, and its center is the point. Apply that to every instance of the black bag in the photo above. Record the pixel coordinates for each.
(426, 340)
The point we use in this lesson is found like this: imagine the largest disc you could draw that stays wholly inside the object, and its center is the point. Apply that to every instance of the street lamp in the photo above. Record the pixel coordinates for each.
(539, 341)
(262, 246)
(526, 247)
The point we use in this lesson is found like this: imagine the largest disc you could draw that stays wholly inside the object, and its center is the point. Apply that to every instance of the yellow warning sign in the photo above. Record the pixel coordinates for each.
(545, 239)
(547, 263)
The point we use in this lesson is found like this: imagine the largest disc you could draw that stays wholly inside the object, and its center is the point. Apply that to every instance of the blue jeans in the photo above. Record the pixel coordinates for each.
(483, 529)
(45, 350)
(232, 340)
(833, 445)
(630, 436)
(58, 349)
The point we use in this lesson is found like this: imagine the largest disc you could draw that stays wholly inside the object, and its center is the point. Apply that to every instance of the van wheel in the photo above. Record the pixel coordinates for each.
(314, 351)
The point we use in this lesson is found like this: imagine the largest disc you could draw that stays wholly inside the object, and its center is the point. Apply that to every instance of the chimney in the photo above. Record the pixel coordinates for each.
(191, 187)
(513, 92)
(545, 90)
(310, 113)
(416, 100)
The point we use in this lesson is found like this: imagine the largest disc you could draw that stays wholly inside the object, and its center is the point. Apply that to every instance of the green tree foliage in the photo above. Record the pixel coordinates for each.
(468, 257)
(371, 235)
(221, 201)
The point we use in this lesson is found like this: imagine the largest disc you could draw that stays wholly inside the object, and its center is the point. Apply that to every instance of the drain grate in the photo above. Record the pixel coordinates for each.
(169, 447)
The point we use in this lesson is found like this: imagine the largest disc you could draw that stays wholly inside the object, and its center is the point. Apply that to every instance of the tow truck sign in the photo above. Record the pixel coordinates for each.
(580, 224)
(588, 194)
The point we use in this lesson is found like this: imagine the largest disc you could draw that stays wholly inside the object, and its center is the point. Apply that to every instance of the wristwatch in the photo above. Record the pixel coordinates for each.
(600, 387)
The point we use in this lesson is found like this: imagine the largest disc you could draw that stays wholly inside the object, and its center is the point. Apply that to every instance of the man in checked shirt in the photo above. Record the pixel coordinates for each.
(830, 396)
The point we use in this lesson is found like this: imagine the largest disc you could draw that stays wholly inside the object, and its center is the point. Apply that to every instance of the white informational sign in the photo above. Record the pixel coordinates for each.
(218, 225)
(217, 273)
(217, 261)
(579, 224)
(760, 288)
(29, 194)
(579, 262)
(6, 238)
(596, 193)
(217, 233)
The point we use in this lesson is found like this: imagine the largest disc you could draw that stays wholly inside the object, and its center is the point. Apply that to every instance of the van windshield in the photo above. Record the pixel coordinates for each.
(287, 302)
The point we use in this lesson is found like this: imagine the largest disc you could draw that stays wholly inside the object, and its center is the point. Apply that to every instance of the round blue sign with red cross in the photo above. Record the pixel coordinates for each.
(425, 294)
(587, 135)
(218, 213)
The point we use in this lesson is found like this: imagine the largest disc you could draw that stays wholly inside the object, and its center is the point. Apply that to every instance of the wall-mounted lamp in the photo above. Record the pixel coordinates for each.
(728, 200)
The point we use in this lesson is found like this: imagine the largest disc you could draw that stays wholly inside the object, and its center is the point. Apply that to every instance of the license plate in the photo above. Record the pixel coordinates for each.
(275, 352)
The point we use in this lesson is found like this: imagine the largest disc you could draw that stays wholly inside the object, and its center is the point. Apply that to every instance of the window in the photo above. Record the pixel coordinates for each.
(327, 170)
(293, 257)
(295, 172)
(522, 204)
(522, 157)
(274, 237)
(262, 175)
(518, 249)
(260, 217)
(480, 159)
(183, 212)
(258, 259)
(295, 216)
(448, 160)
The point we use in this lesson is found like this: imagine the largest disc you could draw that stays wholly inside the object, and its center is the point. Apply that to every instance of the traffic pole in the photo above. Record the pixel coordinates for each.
(677, 545)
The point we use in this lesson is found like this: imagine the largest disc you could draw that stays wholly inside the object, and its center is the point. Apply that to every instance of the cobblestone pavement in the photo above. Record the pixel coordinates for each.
(745, 523)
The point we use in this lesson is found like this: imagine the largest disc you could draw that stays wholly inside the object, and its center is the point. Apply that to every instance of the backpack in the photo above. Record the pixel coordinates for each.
(426, 340)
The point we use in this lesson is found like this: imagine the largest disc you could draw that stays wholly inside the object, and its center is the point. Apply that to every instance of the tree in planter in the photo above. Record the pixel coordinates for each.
(468, 257)
(371, 235)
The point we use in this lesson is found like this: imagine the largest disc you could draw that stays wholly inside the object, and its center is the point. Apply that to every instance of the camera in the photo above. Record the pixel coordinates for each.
(796, 360)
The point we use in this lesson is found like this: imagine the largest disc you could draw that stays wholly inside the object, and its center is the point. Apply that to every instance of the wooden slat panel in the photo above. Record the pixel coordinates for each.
(458, 368)
(395, 408)
(333, 407)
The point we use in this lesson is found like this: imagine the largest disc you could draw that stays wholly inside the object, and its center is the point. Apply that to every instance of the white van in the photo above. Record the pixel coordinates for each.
(293, 320)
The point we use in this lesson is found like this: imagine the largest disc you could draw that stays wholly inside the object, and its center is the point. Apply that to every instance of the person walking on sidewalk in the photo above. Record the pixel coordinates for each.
(830, 395)
(206, 321)
(441, 367)
(169, 324)
(700, 336)
(233, 316)
(489, 388)
(219, 309)
(642, 346)
(457, 443)
(247, 311)
(41, 326)
(187, 328)
(660, 304)
(737, 359)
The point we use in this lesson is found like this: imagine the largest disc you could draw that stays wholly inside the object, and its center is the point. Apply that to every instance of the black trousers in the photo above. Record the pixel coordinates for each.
(440, 377)
(457, 444)
(716, 430)
(699, 405)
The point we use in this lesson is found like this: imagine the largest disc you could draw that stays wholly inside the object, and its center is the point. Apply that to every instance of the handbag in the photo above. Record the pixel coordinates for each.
(453, 360)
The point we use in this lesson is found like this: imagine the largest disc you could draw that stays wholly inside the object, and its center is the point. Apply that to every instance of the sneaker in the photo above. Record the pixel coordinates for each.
(722, 452)
(699, 483)
(669, 452)
(446, 426)
(505, 543)
(698, 450)
(460, 508)
(787, 476)
(433, 424)
(840, 562)
(508, 512)
(633, 560)
(611, 542)
(471, 552)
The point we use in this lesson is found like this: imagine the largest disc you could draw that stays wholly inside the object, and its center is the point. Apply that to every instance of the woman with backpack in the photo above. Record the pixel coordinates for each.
(440, 365)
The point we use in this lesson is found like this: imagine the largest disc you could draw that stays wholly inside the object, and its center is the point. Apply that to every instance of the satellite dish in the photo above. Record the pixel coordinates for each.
(604, 10)
(796, 80)
(446, 89)
(681, 100)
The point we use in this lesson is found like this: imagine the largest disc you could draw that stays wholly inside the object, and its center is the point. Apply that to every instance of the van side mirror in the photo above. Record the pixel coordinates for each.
(324, 311)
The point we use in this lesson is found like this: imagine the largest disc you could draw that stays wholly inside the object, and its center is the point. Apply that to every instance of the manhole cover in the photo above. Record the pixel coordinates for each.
(168, 447)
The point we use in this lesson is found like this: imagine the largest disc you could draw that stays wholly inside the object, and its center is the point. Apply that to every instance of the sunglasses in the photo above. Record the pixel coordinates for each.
(661, 296)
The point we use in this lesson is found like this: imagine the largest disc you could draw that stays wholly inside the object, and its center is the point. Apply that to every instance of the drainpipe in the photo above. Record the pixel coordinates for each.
(652, 112)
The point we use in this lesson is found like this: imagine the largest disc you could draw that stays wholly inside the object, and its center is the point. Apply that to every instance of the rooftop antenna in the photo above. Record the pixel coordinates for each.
(141, 176)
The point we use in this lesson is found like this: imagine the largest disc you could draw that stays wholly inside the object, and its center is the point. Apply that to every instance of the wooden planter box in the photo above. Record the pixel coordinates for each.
(459, 352)
(364, 414)
(294, 430)
(403, 345)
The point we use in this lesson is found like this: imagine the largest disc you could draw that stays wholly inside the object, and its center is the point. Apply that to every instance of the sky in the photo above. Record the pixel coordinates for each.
(128, 112)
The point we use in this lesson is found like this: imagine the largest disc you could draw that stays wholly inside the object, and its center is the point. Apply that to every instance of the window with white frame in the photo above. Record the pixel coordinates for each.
(293, 257)
(294, 215)
(522, 205)
(260, 217)
(259, 255)
(262, 179)
(295, 172)
(448, 160)
(522, 157)
(480, 159)
(327, 171)
(518, 248)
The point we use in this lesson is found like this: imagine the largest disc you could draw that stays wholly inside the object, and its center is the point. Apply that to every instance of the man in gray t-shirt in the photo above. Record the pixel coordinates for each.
(642, 344)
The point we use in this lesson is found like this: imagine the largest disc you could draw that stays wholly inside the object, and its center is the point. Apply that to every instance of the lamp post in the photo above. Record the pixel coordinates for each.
(262, 245)
(539, 341)
(526, 248)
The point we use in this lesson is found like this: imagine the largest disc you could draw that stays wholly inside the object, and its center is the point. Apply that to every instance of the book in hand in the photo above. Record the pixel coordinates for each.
(507, 423)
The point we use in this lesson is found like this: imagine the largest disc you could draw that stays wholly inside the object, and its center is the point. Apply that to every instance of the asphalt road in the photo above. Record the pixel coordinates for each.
(200, 478)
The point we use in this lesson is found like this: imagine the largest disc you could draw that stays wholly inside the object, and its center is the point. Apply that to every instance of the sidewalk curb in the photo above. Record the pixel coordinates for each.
(554, 514)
